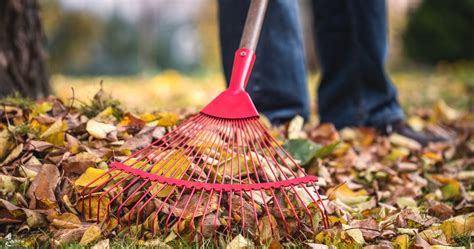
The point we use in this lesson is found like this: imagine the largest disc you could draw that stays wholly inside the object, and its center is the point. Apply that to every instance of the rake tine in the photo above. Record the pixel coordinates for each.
(248, 174)
(119, 209)
(205, 212)
(214, 181)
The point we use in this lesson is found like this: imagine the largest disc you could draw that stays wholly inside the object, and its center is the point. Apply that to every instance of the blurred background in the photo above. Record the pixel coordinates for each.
(158, 54)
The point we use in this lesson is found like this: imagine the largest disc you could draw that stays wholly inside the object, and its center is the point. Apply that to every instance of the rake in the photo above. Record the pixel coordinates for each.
(220, 171)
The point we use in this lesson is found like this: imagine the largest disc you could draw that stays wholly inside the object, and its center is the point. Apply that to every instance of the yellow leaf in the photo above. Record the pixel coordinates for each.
(106, 114)
(148, 117)
(167, 119)
(462, 224)
(5, 144)
(90, 235)
(69, 217)
(442, 112)
(55, 133)
(452, 190)
(173, 165)
(402, 241)
(355, 233)
(90, 175)
(42, 108)
(432, 156)
(347, 195)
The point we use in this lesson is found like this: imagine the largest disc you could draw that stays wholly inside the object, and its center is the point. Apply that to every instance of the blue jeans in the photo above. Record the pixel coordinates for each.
(351, 38)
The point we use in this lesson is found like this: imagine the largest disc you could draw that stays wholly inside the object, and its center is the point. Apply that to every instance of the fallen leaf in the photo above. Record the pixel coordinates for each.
(347, 195)
(238, 242)
(5, 143)
(452, 190)
(43, 186)
(67, 236)
(462, 224)
(92, 178)
(66, 220)
(355, 233)
(167, 119)
(92, 209)
(441, 211)
(316, 246)
(103, 244)
(442, 112)
(369, 228)
(420, 242)
(91, 234)
(173, 166)
(7, 184)
(267, 229)
(34, 219)
(38, 146)
(402, 241)
(99, 130)
(403, 141)
(55, 133)
(156, 243)
(295, 127)
(139, 141)
(302, 150)
(13, 155)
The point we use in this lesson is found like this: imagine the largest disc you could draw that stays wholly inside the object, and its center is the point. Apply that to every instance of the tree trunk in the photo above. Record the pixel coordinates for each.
(22, 55)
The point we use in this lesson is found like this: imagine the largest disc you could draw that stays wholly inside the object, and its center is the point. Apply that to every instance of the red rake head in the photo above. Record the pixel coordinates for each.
(217, 172)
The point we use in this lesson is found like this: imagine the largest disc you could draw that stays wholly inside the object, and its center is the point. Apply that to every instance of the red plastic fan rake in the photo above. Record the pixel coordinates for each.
(220, 171)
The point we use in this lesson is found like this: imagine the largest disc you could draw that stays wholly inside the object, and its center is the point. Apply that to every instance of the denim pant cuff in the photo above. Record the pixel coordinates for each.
(387, 116)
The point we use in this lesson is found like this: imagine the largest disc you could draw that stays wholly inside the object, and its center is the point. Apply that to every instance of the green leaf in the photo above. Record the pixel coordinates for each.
(325, 150)
(301, 149)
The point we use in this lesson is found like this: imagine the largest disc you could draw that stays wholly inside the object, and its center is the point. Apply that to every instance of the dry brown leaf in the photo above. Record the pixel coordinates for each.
(267, 229)
(66, 236)
(368, 227)
(42, 188)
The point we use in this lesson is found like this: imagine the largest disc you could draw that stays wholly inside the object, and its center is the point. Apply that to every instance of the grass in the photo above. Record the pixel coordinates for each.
(418, 87)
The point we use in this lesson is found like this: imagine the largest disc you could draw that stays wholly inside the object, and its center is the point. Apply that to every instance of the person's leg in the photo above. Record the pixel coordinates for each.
(351, 36)
(278, 82)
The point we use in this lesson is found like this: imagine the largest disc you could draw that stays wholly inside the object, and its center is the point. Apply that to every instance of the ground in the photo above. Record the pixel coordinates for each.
(385, 191)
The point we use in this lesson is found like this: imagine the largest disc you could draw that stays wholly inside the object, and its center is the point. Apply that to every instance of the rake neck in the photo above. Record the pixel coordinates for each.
(243, 64)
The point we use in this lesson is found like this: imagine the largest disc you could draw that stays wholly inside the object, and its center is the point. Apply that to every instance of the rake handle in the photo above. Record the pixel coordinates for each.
(253, 24)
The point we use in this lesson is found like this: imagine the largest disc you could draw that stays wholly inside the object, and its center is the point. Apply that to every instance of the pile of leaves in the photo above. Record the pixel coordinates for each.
(378, 190)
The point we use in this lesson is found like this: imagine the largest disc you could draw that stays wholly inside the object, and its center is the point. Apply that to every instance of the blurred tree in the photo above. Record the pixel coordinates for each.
(440, 30)
(72, 35)
(22, 57)
(118, 49)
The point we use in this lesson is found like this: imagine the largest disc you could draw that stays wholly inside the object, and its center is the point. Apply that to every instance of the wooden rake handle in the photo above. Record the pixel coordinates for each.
(253, 24)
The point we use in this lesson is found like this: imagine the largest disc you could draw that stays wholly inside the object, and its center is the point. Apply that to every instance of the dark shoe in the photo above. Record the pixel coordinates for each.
(403, 129)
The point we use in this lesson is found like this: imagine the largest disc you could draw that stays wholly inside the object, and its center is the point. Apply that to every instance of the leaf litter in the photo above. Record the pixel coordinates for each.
(379, 191)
